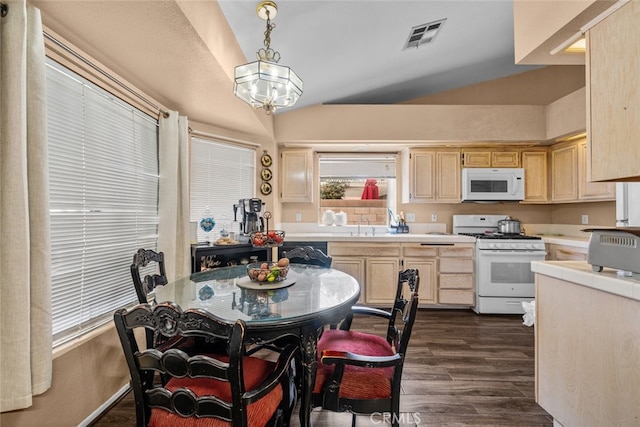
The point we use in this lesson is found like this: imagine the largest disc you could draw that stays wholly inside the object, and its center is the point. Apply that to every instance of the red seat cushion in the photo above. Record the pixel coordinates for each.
(258, 413)
(357, 382)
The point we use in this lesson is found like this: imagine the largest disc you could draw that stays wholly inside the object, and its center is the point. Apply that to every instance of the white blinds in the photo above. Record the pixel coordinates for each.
(103, 165)
(221, 175)
(361, 167)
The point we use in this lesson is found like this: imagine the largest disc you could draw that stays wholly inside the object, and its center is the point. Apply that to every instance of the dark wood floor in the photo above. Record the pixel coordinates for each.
(462, 369)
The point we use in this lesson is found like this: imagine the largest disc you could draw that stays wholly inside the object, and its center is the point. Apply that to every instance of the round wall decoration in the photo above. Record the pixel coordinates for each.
(266, 160)
(265, 188)
(266, 174)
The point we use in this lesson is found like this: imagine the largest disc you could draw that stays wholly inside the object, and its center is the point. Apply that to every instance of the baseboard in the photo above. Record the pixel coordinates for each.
(105, 407)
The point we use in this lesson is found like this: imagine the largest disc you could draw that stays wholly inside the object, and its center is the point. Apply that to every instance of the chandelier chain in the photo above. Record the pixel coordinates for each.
(267, 32)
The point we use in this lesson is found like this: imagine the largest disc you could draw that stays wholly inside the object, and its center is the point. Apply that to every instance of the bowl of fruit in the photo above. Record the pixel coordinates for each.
(268, 272)
(267, 239)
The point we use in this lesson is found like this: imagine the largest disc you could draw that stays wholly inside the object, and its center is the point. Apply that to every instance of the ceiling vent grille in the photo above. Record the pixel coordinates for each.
(424, 33)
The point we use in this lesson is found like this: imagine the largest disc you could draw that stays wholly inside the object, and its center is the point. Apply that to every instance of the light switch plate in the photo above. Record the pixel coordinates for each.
(585, 219)
(411, 217)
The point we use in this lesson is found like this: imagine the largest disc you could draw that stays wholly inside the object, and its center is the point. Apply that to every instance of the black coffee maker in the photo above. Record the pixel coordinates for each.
(250, 210)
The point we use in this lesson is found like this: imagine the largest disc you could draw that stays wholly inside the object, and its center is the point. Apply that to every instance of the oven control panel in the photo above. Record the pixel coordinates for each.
(516, 245)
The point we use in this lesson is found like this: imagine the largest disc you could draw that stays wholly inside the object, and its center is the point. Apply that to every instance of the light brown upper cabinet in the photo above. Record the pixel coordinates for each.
(569, 176)
(592, 190)
(488, 158)
(296, 176)
(431, 176)
(536, 174)
(613, 99)
(564, 173)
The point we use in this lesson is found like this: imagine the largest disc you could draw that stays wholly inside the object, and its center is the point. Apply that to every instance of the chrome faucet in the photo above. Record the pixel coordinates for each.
(360, 221)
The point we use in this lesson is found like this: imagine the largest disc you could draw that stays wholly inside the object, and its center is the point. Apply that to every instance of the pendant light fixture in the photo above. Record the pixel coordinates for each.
(264, 83)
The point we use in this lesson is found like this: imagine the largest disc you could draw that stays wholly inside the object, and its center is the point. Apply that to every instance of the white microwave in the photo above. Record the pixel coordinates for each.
(490, 184)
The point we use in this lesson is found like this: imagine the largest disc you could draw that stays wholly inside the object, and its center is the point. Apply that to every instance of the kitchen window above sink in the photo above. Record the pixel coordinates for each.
(356, 188)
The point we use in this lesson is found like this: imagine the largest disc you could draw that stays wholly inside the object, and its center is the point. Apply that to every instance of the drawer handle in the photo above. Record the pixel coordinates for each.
(437, 244)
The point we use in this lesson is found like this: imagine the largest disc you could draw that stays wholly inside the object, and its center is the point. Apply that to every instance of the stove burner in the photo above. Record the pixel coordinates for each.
(503, 236)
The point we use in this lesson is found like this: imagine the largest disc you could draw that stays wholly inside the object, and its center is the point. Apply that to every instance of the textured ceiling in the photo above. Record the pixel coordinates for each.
(351, 51)
(182, 53)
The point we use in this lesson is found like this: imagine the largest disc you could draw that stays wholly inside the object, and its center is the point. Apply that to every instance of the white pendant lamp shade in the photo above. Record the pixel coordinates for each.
(264, 83)
(267, 85)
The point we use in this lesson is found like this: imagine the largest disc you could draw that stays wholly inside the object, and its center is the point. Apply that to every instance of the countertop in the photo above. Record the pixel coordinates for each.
(575, 241)
(582, 242)
(580, 272)
(379, 238)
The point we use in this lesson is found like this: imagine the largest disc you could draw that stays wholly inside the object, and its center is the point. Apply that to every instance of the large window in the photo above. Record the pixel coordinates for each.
(103, 166)
(221, 175)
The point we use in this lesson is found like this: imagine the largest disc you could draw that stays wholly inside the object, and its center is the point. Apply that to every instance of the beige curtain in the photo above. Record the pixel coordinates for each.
(25, 249)
(173, 204)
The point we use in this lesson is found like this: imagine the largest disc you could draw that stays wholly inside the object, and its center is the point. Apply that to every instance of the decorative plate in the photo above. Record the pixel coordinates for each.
(266, 160)
(266, 174)
(265, 188)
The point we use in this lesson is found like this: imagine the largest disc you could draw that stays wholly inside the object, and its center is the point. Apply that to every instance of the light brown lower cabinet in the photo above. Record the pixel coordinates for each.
(587, 347)
(425, 259)
(446, 272)
(457, 280)
(375, 265)
(354, 267)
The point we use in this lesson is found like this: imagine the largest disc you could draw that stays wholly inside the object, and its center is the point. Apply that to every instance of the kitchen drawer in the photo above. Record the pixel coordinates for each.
(456, 265)
(419, 251)
(456, 281)
(456, 251)
(364, 250)
(563, 254)
(456, 296)
(556, 252)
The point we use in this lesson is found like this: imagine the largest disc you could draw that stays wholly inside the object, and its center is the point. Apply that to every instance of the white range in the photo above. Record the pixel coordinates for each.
(504, 279)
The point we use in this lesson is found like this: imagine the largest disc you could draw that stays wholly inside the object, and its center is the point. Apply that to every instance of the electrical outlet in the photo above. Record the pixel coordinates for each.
(411, 217)
(434, 217)
(298, 216)
(585, 219)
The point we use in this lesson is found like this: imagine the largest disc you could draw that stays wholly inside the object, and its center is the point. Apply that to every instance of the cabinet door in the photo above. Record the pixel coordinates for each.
(448, 177)
(505, 159)
(354, 267)
(564, 173)
(476, 159)
(613, 102)
(296, 176)
(427, 269)
(382, 281)
(535, 176)
(592, 190)
(421, 174)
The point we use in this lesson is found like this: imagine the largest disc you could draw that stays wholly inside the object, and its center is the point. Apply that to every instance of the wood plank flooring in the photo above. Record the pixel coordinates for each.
(462, 369)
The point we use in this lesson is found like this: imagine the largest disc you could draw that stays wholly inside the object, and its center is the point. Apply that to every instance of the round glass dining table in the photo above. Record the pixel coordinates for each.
(310, 298)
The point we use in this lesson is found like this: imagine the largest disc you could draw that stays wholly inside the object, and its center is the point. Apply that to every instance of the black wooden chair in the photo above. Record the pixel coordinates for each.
(206, 389)
(152, 262)
(308, 255)
(144, 286)
(361, 372)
